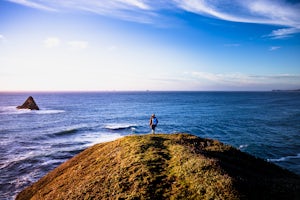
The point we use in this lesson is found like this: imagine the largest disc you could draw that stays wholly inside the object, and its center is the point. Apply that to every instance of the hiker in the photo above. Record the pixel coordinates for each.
(153, 123)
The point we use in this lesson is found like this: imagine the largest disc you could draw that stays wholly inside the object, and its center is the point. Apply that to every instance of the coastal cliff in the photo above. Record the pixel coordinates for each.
(165, 166)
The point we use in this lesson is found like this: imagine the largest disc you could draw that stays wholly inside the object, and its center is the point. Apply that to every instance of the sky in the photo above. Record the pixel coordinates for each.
(138, 45)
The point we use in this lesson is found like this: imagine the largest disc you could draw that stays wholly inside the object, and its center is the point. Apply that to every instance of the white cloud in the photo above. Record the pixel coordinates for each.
(232, 45)
(275, 12)
(33, 4)
(78, 44)
(51, 42)
(2, 38)
(112, 48)
(239, 80)
(274, 48)
(130, 10)
(137, 3)
(284, 33)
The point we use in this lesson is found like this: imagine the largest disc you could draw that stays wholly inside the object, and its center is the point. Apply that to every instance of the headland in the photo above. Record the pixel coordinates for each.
(165, 166)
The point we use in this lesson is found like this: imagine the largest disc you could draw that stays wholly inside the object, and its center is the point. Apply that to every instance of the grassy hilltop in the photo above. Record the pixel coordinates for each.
(165, 166)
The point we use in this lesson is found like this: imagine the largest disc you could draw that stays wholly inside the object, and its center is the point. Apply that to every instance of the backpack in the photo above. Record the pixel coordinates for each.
(154, 121)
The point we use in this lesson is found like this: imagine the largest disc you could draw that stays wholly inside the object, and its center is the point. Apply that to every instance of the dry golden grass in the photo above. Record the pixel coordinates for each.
(164, 166)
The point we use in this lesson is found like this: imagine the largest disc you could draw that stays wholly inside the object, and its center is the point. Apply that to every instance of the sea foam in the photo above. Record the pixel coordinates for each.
(120, 126)
(285, 158)
(12, 110)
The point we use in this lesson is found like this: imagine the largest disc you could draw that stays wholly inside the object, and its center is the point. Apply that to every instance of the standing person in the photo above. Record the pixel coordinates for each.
(153, 123)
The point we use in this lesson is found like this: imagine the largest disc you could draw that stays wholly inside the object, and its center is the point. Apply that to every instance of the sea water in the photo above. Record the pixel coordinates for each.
(32, 143)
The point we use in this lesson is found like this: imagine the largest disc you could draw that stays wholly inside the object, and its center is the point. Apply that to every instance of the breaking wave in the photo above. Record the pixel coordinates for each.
(66, 132)
(41, 112)
(243, 146)
(12, 110)
(117, 127)
(102, 137)
(285, 158)
(70, 130)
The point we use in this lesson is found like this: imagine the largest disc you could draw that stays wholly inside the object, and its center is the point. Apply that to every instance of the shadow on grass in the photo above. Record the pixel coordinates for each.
(157, 164)
(253, 177)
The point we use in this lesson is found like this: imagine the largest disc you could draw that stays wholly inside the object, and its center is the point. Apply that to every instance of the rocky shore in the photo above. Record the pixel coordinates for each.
(165, 166)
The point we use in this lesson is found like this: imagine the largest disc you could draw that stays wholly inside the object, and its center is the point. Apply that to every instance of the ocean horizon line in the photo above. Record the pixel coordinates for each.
(139, 91)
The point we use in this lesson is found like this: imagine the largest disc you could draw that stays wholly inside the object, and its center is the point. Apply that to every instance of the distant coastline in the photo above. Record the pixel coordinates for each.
(297, 90)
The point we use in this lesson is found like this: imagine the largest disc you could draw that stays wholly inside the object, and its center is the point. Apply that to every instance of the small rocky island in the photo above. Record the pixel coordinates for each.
(29, 104)
(165, 166)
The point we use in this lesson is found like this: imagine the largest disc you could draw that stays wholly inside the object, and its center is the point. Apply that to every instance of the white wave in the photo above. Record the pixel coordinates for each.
(6, 110)
(95, 138)
(20, 182)
(17, 158)
(27, 178)
(243, 146)
(133, 129)
(53, 161)
(106, 138)
(48, 111)
(285, 158)
(120, 126)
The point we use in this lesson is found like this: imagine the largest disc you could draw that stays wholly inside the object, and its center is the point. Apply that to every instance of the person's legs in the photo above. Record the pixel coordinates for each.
(153, 129)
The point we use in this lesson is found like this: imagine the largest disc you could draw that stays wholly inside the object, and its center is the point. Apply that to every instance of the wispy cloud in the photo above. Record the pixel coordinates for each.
(112, 48)
(275, 12)
(51, 42)
(236, 80)
(284, 33)
(77, 45)
(200, 80)
(34, 4)
(130, 10)
(2, 38)
(232, 45)
(274, 48)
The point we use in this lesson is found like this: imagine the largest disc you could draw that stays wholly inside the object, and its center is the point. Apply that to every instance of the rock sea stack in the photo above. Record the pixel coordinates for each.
(29, 104)
(165, 166)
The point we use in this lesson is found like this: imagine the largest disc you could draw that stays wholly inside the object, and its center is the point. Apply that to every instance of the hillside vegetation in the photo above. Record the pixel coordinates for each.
(165, 166)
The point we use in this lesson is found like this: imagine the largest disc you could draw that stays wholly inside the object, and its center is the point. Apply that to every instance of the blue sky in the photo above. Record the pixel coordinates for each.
(89, 45)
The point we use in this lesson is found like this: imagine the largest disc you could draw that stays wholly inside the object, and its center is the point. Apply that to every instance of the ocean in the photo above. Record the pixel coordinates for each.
(32, 143)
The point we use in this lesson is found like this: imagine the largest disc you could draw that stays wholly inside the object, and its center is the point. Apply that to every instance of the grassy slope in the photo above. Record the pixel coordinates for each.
(163, 166)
